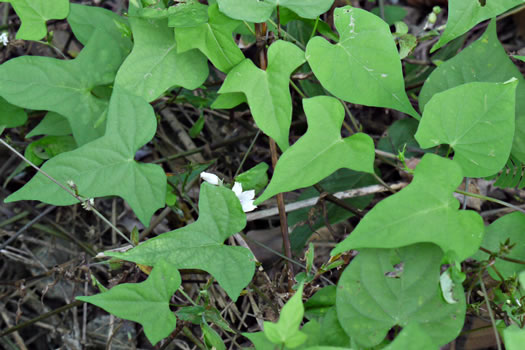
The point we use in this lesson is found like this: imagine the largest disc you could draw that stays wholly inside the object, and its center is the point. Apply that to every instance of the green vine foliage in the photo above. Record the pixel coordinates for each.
(473, 104)
(35, 13)
(353, 61)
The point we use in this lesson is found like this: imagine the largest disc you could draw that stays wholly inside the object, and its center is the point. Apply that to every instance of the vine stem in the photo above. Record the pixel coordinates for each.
(490, 199)
(187, 332)
(5, 14)
(181, 290)
(26, 226)
(278, 12)
(516, 261)
(510, 12)
(247, 153)
(283, 220)
(339, 202)
(382, 9)
(52, 47)
(260, 30)
(202, 148)
(286, 34)
(264, 246)
(315, 28)
(249, 27)
(65, 188)
(467, 187)
(355, 124)
(172, 337)
(296, 88)
(491, 315)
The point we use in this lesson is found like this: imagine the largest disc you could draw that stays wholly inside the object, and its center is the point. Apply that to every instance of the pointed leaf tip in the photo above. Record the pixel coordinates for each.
(106, 166)
(476, 120)
(487, 61)
(201, 245)
(155, 65)
(366, 56)
(465, 14)
(146, 303)
(267, 92)
(213, 38)
(421, 213)
(40, 83)
(286, 330)
(321, 150)
(34, 14)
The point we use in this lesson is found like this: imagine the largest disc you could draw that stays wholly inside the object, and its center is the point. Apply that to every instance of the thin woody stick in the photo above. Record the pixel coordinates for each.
(358, 192)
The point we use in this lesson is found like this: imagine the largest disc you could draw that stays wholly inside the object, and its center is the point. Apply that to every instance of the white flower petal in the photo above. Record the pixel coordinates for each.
(4, 39)
(211, 178)
(246, 195)
(88, 204)
(248, 206)
(237, 189)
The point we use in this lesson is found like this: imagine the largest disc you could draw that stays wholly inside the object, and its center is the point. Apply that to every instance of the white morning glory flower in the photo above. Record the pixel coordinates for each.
(245, 197)
(211, 178)
(4, 39)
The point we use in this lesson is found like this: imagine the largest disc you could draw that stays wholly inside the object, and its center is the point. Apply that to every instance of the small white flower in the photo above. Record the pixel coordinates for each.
(245, 197)
(211, 178)
(4, 39)
(88, 204)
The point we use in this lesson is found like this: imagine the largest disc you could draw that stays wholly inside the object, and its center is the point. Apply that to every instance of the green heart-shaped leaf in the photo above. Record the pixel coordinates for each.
(214, 39)
(268, 92)
(258, 11)
(35, 13)
(147, 303)
(373, 295)
(286, 330)
(321, 151)
(154, 64)
(66, 87)
(201, 244)
(106, 167)
(476, 120)
(465, 14)
(485, 60)
(364, 66)
(421, 213)
(85, 20)
(187, 14)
